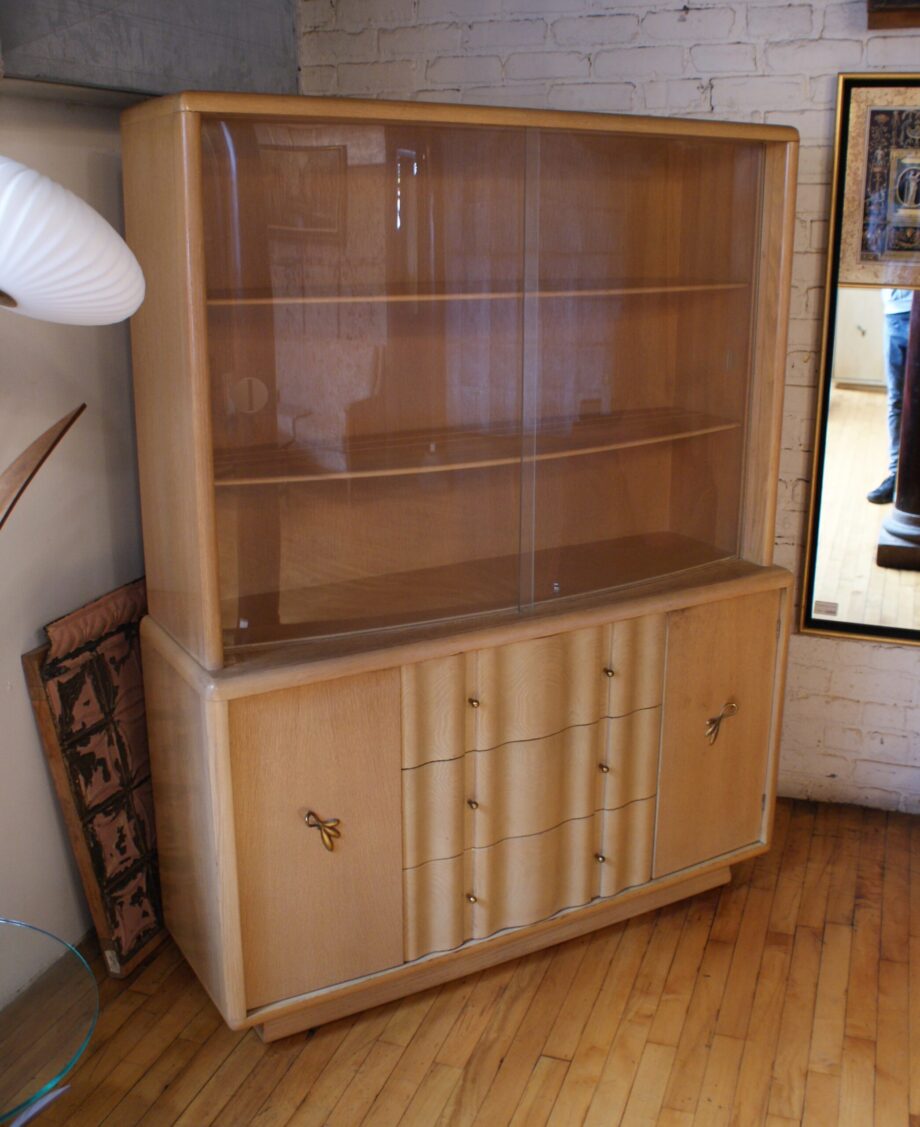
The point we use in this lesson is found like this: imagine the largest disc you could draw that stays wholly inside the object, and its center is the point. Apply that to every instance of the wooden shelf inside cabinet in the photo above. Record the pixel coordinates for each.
(454, 449)
(379, 601)
(549, 289)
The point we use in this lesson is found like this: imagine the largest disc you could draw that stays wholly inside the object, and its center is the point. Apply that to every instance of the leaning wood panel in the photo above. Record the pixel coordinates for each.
(712, 794)
(194, 814)
(307, 912)
(531, 689)
(169, 353)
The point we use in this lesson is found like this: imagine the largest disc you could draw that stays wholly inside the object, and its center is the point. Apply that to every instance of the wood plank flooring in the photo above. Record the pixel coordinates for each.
(790, 996)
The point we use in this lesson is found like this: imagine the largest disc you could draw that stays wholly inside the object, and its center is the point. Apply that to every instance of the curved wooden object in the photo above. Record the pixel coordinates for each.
(19, 473)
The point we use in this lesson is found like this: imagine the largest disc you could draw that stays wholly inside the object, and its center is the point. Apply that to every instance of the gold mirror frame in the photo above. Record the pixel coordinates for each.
(872, 236)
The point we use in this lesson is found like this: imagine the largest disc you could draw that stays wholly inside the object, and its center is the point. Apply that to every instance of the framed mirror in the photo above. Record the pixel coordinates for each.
(862, 574)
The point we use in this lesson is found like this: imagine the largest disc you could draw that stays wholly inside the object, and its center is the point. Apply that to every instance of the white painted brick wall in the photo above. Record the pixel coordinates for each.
(852, 727)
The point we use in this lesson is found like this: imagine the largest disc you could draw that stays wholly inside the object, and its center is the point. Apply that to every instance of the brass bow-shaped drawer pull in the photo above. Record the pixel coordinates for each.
(328, 830)
(715, 722)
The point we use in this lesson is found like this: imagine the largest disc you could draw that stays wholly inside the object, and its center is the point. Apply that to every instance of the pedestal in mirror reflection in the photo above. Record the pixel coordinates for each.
(899, 539)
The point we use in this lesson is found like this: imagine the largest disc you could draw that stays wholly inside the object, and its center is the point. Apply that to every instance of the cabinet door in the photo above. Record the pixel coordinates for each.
(313, 917)
(711, 794)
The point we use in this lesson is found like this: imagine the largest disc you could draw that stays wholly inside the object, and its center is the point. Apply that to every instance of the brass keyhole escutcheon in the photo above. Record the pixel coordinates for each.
(328, 830)
(714, 723)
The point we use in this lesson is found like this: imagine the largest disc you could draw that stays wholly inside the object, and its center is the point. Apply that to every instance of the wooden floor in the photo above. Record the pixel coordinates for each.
(790, 996)
(846, 575)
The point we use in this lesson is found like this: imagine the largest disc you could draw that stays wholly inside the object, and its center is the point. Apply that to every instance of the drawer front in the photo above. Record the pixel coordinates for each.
(438, 913)
(627, 838)
(437, 721)
(637, 660)
(532, 689)
(533, 786)
(306, 912)
(435, 810)
(631, 758)
(523, 880)
(527, 787)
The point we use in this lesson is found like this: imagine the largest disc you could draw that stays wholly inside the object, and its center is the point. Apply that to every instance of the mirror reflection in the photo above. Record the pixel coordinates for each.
(863, 568)
(866, 570)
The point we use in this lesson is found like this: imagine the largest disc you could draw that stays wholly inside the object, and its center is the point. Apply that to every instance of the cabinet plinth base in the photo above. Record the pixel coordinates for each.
(294, 1016)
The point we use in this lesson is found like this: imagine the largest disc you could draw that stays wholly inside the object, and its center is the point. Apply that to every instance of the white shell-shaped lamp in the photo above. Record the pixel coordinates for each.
(59, 259)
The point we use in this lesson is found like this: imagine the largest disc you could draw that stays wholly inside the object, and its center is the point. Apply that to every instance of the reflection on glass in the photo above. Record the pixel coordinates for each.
(457, 371)
(45, 1028)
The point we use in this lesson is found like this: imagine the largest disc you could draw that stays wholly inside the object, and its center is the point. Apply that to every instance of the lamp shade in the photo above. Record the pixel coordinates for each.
(59, 259)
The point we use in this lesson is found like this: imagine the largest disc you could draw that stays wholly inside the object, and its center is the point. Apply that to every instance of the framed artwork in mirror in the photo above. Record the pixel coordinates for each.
(862, 572)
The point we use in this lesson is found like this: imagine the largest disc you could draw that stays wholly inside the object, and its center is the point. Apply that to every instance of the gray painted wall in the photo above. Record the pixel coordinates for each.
(152, 46)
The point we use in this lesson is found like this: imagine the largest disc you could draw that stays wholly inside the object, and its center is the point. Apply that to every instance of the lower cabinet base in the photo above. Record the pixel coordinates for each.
(297, 1014)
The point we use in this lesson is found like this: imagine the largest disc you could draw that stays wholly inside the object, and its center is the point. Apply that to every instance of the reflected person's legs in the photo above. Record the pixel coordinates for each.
(897, 328)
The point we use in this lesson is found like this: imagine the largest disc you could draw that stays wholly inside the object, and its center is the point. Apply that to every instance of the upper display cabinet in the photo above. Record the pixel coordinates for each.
(403, 363)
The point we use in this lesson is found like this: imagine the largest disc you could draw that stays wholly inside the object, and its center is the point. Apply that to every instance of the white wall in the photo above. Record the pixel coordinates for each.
(853, 708)
(75, 533)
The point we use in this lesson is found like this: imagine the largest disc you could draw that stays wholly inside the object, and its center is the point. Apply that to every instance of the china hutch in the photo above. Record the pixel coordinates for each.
(458, 433)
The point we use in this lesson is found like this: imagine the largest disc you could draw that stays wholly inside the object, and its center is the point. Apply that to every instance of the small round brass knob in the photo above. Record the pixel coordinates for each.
(608, 672)
(471, 898)
(474, 703)
(472, 803)
(600, 858)
(604, 768)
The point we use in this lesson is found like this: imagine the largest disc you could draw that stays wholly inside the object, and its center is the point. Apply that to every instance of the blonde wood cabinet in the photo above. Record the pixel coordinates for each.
(462, 831)
(458, 434)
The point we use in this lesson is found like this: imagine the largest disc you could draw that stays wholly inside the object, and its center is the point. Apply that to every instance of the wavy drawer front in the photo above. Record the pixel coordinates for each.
(530, 787)
(437, 721)
(438, 914)
(434, 810)
(523, 880)
(627, 837)
(637, 659)
(531, 689)
(527, 787)
(631, 758)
